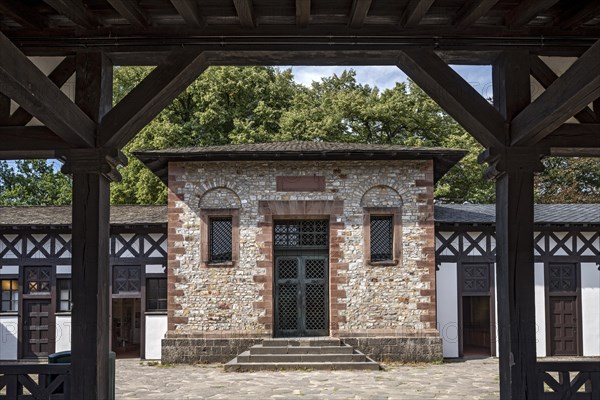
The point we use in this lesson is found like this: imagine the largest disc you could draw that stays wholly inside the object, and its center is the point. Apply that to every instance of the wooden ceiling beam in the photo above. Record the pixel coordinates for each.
(4, 109)
(76, 11)
(414, 12)
(23, 82)
(245, 12)
(15, 138)
(59, 76)
(580, 15)
(131, 11)
(573, 136)
(569, 94)
(190, 12)
(149, 98)
(472, 10)
(454, 95)
(358, 13)
(302, 13)
(526, 11)
(22, 14)
(545, 76)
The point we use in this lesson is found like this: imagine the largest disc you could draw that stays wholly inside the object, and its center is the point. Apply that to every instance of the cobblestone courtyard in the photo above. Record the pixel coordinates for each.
(473, 379)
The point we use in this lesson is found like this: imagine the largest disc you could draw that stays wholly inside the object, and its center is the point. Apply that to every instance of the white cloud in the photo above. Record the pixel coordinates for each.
(385, 77)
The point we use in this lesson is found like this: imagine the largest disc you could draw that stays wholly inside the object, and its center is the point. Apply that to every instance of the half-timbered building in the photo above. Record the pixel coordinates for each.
(35, 281)
(567, 279)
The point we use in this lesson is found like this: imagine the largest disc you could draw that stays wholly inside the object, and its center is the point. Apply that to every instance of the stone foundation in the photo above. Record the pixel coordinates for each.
(399, 349)
(202, 350)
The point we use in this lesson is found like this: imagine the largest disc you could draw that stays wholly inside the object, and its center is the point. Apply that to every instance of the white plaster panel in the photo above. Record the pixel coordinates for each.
(9, 329)
(63, 269)
(540, 309)
(447, 308)
(590, 306)
(496, 310)
(9, 270)
(156, 329)
(155, 269)
(63, 333)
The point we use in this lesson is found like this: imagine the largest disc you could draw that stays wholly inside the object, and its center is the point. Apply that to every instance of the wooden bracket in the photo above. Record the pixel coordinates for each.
(512, 159)
(100, 161)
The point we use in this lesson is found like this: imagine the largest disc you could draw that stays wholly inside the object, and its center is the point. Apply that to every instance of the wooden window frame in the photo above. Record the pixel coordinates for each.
(148, 309)
(59, 300)
(17, 301)
(205, 215)
(396, 214)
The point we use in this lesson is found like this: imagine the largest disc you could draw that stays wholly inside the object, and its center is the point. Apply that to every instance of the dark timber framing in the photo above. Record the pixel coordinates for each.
(420, 37)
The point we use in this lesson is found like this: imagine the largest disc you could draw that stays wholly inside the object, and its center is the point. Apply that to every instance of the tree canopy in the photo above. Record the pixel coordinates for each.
(261, 104)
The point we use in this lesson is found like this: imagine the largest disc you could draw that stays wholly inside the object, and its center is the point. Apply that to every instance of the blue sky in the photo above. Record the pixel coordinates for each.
(385, 77)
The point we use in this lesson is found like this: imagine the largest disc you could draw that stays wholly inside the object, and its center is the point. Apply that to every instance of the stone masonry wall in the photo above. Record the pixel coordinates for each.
(231, 301)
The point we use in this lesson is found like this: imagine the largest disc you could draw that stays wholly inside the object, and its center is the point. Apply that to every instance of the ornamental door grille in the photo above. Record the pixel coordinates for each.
(301, 278)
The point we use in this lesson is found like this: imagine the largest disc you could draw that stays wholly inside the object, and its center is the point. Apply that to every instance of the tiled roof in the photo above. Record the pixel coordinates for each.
(61, 215)
(158, 160)
(543, 213)
(294, 146)
(444, 213)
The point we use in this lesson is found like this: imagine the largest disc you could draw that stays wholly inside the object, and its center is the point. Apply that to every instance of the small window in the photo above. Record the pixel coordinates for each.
(65, 299)
(9, 295)
(38, 280)
(382, 238)
(220, 239)
(156, 294)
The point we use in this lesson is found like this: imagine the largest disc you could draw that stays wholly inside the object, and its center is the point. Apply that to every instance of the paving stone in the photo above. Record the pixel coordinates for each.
(471, 379)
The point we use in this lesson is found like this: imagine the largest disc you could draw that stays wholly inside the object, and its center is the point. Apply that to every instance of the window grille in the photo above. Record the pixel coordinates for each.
(65, 295)
(562, 278)
(126, 279)
(307, 233)
(156, 294)
(220, 239)
(476, 278)
(9, 295)
(382, 238)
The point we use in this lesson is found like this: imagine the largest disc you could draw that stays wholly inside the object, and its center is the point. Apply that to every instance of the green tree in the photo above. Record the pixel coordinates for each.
(569, 180)
(33, 183)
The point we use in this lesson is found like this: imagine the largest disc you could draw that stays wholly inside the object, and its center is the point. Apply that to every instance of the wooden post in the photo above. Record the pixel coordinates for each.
(90, 253)
(514, 236)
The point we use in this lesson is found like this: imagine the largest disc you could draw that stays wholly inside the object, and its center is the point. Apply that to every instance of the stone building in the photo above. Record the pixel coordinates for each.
(301, 239)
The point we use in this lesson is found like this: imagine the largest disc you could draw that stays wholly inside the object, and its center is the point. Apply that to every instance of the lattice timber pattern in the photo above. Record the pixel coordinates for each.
(306, 233)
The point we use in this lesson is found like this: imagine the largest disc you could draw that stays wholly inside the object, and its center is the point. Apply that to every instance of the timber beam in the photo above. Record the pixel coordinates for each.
(23, 82)
(302, 13)
(573, 136)
(472, 10)
(454, 95)
(245, 12)
(131, 11)
(569, 94)
(59, 76)
(358, 13)
(149, 98)
(526, 11)
(190, 12)
(76, 11)
(414, 12)
(545, 76)
(22, 14)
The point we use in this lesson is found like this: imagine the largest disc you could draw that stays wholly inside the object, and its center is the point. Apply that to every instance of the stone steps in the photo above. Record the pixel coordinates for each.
(301, 353)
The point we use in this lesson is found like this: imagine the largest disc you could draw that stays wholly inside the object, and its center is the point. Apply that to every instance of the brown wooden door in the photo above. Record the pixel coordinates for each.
(563, 326)
(36, 328)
